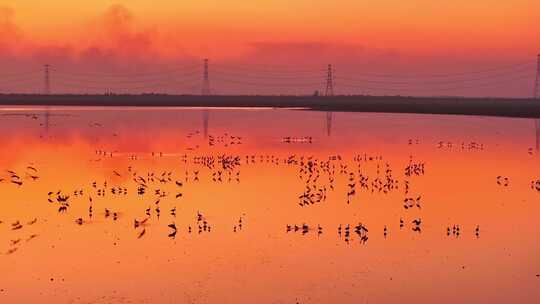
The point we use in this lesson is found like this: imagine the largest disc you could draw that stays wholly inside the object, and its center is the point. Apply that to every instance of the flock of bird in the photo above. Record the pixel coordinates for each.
(470, 146)
(294, 139)
(344, 231)
(18, 179)
(318, 176)
(18, 225)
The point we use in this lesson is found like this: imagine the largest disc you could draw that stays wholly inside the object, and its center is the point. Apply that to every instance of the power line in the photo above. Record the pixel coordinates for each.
(271, 78)
(252, 75)
(268, 70)
(267, 84)
(20, 74)
(433, 82)
(481, 85)
(128, 81)
(192, 68)
(36, 77)
(518, 65)
(273, 69)
(65, 84)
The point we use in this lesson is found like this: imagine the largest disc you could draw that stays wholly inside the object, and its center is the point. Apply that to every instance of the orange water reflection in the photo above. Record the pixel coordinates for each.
(104, 261)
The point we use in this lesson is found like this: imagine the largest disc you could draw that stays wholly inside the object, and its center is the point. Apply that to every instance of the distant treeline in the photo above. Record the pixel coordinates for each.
(527, 108)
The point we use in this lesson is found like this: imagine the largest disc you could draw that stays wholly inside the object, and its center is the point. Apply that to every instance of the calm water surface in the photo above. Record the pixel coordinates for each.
(267, 206)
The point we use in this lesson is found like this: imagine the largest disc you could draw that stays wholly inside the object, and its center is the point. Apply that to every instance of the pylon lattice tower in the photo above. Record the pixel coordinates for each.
(206, 80)
(47, 81)
(329, 92)
(537, 83)
(329, 82)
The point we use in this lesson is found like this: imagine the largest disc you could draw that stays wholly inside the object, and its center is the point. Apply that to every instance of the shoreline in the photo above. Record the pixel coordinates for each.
(502, 107)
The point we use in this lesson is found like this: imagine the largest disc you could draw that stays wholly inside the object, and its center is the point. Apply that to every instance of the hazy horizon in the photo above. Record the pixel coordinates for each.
(389, 48)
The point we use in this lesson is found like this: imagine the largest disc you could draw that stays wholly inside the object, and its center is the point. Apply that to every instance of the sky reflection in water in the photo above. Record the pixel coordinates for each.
(268, 169)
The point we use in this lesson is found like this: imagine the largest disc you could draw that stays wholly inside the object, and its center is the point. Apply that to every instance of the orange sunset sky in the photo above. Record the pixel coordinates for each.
(386, 36)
